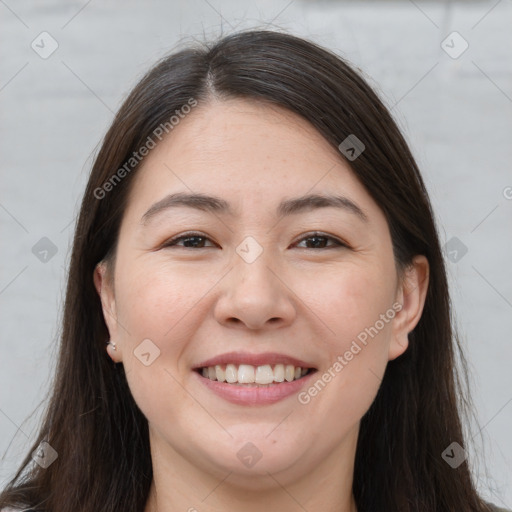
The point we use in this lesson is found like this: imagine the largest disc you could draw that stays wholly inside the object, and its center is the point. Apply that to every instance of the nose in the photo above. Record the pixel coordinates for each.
(256, 296)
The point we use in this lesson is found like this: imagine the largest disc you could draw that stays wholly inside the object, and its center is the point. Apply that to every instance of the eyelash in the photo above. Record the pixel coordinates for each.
(316, 234)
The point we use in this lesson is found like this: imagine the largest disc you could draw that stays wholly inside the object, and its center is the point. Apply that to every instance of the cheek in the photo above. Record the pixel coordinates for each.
(154, 300)
(165, 305)
(156, 305)
(350, 301)
(351, 304)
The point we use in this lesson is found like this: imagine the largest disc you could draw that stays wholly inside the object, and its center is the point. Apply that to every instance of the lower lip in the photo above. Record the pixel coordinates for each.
(245, 395)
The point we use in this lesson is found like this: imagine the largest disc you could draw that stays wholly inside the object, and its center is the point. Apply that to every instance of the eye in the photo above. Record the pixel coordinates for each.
(319, 241)
(190, 240)
(197, 241)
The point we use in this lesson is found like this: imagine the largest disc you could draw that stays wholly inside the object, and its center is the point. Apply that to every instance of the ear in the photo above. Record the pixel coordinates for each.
(412, 292)
(103, 284)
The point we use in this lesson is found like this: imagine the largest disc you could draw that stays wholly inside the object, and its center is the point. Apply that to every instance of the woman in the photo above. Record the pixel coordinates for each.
(257, 252)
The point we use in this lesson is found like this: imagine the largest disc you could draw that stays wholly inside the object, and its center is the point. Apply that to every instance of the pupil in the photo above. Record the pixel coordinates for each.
(319, 241)
(186, 241)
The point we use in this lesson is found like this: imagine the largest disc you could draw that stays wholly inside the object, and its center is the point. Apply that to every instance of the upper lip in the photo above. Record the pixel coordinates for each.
(238, 358)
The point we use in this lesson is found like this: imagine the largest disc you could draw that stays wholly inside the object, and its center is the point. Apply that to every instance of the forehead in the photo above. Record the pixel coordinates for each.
(246, 150)
(243, 133)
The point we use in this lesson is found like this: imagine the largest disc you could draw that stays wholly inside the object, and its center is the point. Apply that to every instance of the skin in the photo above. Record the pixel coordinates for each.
(196, 303)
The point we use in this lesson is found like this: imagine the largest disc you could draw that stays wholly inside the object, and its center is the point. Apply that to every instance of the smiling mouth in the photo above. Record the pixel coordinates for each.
(254, 376)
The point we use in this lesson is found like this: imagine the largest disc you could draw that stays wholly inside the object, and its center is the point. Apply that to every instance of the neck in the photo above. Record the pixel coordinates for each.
(179, 485)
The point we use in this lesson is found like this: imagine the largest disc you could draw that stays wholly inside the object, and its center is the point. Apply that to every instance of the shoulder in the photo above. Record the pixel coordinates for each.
(494, 508)
(10, 509)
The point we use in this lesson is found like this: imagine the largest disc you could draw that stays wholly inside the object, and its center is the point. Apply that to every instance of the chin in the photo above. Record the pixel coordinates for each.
(251, 463)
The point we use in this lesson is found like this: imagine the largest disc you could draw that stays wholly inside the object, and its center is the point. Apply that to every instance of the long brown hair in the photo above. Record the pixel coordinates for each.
(92, 420)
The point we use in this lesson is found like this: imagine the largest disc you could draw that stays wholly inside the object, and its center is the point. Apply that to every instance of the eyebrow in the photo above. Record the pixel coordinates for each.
(287, 207)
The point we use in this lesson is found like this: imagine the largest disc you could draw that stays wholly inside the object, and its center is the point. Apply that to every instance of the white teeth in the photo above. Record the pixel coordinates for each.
(246, 374)
(231, 373)
(264, 375)
(220, 373)
(249, 374)
(279, 373)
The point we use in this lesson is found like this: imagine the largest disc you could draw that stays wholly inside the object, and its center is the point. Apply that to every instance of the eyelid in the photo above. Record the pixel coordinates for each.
(191, 234)
(337, 241)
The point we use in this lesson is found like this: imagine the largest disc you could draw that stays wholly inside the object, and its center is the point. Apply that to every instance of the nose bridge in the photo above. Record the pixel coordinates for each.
(252, 267)
(253, 274)
(253, 292)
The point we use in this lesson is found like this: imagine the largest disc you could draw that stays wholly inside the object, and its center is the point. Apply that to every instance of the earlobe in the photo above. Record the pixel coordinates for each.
(112, 352)
(411, 295)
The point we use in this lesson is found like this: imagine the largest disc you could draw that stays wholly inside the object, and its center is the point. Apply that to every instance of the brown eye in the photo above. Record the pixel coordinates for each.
(320, 241)
(190, 241)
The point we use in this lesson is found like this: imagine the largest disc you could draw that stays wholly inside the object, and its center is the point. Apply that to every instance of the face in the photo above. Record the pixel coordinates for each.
(261, 277)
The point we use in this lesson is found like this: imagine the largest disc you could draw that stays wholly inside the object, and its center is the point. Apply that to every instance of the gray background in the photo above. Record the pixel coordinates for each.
(455, 113)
